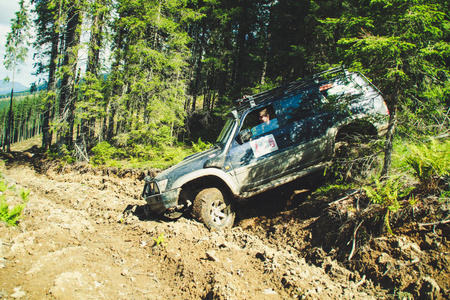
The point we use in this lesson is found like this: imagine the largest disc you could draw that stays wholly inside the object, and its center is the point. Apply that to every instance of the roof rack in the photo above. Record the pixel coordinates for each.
(288, 89)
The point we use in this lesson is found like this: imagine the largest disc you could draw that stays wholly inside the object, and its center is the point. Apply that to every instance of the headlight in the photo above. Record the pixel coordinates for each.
(162, 185)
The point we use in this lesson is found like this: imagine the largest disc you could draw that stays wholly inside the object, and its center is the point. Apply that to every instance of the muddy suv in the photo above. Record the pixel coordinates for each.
(269, 139)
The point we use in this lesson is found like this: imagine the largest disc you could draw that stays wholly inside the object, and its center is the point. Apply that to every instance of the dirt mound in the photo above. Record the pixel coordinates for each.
(413, 261)
(86, 233)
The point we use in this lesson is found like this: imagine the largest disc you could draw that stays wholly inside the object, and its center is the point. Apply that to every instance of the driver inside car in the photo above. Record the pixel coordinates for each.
(265, 123)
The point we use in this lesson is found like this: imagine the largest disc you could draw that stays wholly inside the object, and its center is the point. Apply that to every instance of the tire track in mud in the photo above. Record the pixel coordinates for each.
(65, 251)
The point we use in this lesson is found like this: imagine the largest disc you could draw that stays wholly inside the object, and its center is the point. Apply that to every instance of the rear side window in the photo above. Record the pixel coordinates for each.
(302, 105)
(342, 89)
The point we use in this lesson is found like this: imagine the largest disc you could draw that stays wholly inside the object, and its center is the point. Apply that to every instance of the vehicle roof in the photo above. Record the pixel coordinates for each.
(289, 89)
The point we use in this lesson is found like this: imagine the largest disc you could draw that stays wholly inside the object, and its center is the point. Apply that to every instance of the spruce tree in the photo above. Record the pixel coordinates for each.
(16, 53)
(48, 24)
(403, 46)
(69, 70)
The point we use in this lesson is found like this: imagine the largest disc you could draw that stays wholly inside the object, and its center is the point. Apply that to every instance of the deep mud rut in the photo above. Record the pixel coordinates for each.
(87, 235)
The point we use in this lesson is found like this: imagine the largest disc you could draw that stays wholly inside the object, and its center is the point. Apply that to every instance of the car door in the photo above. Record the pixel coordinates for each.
(262, 156)
(307, 117)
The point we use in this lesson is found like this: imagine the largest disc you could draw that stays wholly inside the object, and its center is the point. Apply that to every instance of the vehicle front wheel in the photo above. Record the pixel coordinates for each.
(213, 208)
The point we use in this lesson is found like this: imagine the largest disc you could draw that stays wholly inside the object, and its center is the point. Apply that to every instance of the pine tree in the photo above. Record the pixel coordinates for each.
(48, 28)
(68, 94)
(403, 46)
(148, 76)
(16, 53)
(91, 107)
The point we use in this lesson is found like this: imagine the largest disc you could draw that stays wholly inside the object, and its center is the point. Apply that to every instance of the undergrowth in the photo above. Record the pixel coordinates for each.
(430, 164)
(420, 169)
(143, 156)
(388, 195)
(12, 203)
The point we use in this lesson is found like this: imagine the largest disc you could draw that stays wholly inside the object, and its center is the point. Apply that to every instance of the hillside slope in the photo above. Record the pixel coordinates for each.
(86, 234)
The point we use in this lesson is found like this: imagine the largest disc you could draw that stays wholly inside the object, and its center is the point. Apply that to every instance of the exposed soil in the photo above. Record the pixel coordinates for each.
(87, 234)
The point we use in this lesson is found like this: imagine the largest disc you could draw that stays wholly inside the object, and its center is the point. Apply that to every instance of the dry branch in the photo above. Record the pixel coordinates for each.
(354, 241)
(435, 223)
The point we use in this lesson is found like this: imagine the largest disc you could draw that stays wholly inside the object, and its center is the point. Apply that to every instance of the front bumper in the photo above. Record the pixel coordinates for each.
(160, 202)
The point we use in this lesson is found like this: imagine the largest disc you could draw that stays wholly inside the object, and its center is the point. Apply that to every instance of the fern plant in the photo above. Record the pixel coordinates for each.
(11, 215)
(430, 163)
(387, 194)
(3, 186)
(24, 194)
(200, 145)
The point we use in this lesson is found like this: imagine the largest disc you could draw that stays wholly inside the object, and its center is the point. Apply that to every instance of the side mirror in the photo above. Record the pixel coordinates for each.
(244, 136)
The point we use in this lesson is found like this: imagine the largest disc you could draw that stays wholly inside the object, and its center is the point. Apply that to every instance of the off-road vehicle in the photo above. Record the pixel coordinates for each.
(269, 139)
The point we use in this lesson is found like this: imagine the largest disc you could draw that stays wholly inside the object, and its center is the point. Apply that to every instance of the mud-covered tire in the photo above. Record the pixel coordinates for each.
(213, 208)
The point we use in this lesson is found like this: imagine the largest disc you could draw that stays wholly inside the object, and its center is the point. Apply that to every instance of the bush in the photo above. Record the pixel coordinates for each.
(104, 153)
(139, 156)
(10, 216)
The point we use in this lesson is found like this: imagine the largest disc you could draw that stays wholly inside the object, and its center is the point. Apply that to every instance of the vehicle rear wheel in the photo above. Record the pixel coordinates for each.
(213, 208)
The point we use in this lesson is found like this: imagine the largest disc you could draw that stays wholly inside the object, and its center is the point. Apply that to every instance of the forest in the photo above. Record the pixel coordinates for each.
(134, 86)
(140, 78)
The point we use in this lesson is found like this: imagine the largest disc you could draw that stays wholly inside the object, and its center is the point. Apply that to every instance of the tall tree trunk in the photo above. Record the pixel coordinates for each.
(51, 88)
(115, 91)
(8, 135)
(68, 96)
(389, 142)
(86, 133)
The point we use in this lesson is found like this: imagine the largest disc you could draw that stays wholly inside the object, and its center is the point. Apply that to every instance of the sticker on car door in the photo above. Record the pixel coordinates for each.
(264, 145)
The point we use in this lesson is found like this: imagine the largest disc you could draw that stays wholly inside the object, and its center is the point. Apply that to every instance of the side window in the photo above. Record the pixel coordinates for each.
(302, 105)
(257, 123)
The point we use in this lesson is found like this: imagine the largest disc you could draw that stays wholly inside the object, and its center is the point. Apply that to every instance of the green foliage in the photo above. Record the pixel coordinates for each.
(334, 189)
(200, 146)
(24, 194)
(138, 156)
(52, 155)
(11, 215)
(16, 54)
(445, 195)
(17, 39)
(143, 153)
(387, 194)
(160, 241)
(104, 153)
(3, 186)
(430, 162)
(65, 155)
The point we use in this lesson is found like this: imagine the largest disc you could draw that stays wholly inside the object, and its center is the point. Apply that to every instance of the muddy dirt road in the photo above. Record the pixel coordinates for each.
(87, 235)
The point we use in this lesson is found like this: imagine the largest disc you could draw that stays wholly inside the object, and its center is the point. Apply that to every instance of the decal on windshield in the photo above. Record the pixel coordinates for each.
(264, 145)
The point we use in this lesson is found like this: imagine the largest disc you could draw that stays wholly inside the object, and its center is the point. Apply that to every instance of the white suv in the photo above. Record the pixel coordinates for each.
(269, 139)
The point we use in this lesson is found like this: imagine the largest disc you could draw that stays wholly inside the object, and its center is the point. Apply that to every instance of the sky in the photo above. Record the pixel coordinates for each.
(7, 12)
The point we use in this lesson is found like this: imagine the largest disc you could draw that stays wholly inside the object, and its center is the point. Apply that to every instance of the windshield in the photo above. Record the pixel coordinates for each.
(226, 131)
